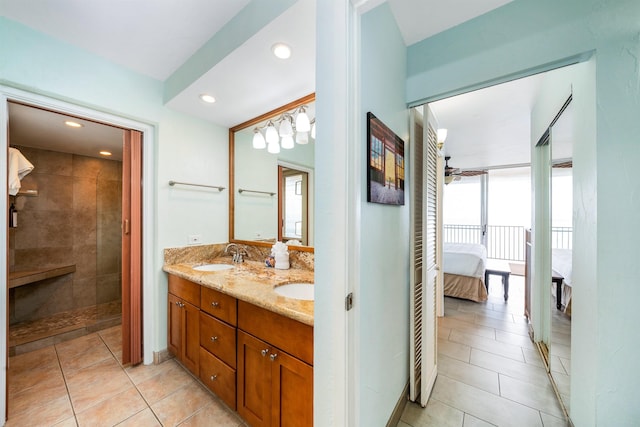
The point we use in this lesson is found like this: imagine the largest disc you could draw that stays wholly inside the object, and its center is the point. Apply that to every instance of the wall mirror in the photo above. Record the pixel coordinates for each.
(271, 186)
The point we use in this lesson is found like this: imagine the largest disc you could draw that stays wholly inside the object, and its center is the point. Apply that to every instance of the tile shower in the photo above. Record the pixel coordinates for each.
(74, 220)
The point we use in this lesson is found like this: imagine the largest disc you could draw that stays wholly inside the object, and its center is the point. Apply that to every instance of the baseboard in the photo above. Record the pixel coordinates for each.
(161, 356)
(399, 409)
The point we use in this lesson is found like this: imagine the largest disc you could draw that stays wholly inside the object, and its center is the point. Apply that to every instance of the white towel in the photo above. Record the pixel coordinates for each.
(19, 166)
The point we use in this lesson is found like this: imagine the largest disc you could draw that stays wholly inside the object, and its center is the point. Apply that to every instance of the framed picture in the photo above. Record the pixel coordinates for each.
(385, 164)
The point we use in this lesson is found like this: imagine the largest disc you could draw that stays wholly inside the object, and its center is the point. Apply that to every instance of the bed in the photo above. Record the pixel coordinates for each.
(463, 267)
(561, 263)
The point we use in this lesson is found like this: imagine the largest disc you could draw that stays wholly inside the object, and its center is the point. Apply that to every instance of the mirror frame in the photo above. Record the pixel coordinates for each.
(273, 113)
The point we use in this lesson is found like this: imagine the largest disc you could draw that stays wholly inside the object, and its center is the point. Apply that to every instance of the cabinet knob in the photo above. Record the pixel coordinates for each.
(178, 303)
(214, 339)
(265, 352)
(273, 356)
(215, 304)
(214, 377)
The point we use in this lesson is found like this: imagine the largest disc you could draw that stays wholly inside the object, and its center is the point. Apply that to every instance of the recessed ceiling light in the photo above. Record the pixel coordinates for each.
(209, 99)
(73, 124)
(281, 50)
(105, 153)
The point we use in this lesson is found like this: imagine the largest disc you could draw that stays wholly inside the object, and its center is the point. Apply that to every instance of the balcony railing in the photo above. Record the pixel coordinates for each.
(504, 241)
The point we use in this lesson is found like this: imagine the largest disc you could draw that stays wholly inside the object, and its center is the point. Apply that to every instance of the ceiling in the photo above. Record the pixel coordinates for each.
(155, 37)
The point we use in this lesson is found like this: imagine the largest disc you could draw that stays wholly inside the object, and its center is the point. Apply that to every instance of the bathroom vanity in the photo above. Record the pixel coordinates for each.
(248, 344)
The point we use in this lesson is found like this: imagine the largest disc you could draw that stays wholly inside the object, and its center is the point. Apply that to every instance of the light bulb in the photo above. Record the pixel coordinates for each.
(287, 142)
(302, 138)
(285, 127)
(302, 122)
(442, 134)
(271, 134)
(313, 130)
(273, 147)
(258, 140)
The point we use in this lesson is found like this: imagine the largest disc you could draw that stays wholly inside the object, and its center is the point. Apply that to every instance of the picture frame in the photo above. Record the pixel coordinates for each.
(385, 164)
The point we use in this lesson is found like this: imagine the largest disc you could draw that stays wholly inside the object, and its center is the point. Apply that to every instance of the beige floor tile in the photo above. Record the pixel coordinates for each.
(472, 375)
(513, 368)
(46, 375)
(551, 421)
(82, 352)
(532, 357)
(144, 418)
(69, 422)
(140, 373)
(37, 396)
(112, 337)
(43, 358)
(507, 326)
(515, 339)
(454, 350)
(471, 421)
(402, 424)
(96, 383)
(435, 414)
(113, 410)
(443, 332)
(484, 405)
(214, 411)
(55, 412)
(182, 404)
(164, 383)
(534, 396)
(468, 327)
(487, 344)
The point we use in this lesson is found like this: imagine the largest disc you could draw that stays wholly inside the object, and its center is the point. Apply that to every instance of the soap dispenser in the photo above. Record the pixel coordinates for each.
(13, 216)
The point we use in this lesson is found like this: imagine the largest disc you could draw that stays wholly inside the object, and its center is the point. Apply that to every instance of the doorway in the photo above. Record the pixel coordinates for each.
(108, 182)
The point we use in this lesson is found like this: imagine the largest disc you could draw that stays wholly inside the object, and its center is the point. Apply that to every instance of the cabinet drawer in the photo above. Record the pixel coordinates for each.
(218, 377)
(218, 338)
(287, 334)
(219, 305)
(184, 289)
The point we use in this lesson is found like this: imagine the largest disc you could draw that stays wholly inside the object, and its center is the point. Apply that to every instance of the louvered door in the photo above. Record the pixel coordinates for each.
(424, 269)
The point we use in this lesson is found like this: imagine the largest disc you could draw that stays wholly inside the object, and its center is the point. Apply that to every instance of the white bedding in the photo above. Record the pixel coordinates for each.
(464, 259)
(561, 262)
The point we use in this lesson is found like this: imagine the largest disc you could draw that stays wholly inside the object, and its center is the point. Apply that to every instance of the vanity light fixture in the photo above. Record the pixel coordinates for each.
(258, 140)
(105, 153)
(442, 136)
(281, 50)
(285, 131)
(73, 124)
(302, 120)
(209, 99)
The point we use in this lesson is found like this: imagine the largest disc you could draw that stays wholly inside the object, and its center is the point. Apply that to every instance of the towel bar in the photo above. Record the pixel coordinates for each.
(244, 190)
(172, 183)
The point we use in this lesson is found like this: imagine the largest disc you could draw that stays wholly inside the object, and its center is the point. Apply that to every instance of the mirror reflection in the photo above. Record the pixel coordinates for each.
(271, 176)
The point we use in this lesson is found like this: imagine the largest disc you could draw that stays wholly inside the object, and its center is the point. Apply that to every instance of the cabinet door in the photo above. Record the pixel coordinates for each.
(254, 380)
(174, 328)
(191, 337)
(291, 391)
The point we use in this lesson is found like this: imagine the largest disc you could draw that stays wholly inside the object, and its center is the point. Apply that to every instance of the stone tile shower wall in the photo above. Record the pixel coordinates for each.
(75, 219)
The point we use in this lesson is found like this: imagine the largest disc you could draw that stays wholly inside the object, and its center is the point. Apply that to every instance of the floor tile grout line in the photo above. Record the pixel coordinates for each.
(66, 385)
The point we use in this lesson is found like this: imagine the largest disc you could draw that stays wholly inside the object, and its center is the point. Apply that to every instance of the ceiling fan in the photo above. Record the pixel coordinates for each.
(455, 174)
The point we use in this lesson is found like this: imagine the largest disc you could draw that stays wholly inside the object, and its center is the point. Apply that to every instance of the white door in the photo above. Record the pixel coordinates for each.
(424, 271)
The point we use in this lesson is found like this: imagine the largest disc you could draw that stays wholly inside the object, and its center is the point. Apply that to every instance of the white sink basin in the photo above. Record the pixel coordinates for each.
(302, 291)
(213, 267)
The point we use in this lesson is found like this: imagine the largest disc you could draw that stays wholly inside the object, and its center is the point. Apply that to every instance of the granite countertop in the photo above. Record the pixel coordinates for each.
(253, 282)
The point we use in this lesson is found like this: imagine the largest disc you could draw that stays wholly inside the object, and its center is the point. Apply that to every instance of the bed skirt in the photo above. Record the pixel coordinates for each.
(471, 288)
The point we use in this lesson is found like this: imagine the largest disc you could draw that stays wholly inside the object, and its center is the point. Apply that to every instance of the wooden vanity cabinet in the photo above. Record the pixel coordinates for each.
(275, 382)
(183, 339)
(218, 317)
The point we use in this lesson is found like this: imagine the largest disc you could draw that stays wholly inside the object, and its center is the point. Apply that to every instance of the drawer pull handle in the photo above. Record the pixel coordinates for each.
(273, 356)
(215, 304)
(214, 339)
(214, 377)
(265, 352)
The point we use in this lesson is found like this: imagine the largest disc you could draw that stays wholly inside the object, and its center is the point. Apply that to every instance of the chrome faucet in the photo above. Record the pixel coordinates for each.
(237, 252)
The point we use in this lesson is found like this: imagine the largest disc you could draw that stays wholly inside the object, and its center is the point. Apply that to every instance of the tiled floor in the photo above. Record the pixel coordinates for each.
(489, 371)
(81, 383)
